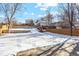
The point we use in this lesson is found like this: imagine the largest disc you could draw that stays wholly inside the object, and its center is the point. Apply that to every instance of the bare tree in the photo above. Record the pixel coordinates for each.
(49, 17)
(9, 10)
(77, 7)
(69, 15)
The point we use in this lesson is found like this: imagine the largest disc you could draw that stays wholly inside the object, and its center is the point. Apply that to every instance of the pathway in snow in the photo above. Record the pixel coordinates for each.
(11, 43)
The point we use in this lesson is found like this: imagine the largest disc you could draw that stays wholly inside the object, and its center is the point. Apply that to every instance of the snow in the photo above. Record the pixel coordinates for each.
(11, 43)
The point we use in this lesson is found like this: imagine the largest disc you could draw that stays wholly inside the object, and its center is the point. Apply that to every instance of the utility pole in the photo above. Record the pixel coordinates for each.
(70, 15)
(71, 18)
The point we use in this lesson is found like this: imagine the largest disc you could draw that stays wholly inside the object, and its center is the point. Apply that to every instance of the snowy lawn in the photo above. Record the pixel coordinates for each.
(11, 43)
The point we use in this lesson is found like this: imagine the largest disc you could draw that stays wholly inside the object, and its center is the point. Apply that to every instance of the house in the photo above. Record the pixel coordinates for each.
(57, 25)
(29, 21)
(76, 24)
(46, 20)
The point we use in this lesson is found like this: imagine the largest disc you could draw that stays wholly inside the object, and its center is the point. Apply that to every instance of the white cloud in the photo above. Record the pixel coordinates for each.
(1, 16)
(52, 4)
(25, 13)
(41, 15)
(54, 13)
(44, 6)
(44, 9)
(32, 14)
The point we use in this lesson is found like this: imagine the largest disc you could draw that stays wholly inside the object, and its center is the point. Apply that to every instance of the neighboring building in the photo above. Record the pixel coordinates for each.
(29, 21)
(47, 20)
(60, 25)
(66, 24)
(57, 25)
(76, 24)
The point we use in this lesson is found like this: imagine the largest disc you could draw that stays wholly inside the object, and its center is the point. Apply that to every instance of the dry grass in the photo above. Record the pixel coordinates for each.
(64, 31)
(20, 31)
(21, 26)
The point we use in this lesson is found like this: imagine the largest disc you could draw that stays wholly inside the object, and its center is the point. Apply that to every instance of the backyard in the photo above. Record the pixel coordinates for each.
(13, 43)
(34, 29)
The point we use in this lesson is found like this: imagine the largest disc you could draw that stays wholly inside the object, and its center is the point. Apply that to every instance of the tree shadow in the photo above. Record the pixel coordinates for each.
(75, 51)
(52, 50)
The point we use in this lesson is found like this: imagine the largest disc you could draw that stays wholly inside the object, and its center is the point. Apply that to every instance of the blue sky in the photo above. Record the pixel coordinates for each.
(35, 11)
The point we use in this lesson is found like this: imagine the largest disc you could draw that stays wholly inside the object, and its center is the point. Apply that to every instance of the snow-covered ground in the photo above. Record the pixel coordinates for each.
(11, 43)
